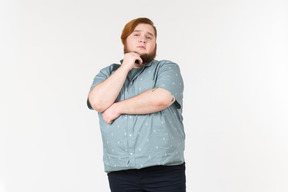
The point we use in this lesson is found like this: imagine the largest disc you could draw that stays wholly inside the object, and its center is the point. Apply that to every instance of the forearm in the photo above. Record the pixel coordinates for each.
(150, 101)
(104, 94)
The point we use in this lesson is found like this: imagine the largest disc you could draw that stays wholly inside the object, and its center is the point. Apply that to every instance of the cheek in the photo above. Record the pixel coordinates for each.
(130, 44)
(151, 48)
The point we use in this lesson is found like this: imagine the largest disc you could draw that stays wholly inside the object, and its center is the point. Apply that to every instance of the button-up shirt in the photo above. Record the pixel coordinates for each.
(138, 141)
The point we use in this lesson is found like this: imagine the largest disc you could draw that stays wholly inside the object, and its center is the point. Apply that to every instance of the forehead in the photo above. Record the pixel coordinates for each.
(146, 28)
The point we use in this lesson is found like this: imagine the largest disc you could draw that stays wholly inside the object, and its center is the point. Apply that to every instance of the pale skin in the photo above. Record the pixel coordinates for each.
(102, 97)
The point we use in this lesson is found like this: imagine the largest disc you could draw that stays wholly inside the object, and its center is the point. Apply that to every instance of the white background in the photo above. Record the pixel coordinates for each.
(233, 58)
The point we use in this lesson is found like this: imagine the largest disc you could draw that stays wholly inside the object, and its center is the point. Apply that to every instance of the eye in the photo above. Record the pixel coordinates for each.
(148, 37)
(136, 34)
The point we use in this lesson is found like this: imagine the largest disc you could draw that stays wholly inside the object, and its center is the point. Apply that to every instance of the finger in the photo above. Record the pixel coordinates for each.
(107, 121)
(139, 60)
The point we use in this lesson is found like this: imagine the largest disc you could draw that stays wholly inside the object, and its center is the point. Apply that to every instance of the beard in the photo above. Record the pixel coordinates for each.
(146, 58)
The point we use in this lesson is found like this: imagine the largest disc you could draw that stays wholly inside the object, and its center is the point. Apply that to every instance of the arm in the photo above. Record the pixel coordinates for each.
(104, 94)
(150, 101)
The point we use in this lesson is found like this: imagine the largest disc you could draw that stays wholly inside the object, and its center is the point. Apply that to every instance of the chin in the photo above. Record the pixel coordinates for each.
(146, 57)
(142, 53)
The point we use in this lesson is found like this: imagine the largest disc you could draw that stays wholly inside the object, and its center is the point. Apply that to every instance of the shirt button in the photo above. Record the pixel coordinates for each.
(131, 153)
(130, 135)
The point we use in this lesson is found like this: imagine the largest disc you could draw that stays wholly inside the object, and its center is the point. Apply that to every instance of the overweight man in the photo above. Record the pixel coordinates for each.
(139, 103)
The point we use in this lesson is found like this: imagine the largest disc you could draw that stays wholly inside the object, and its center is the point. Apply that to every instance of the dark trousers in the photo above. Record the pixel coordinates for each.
(151, 179)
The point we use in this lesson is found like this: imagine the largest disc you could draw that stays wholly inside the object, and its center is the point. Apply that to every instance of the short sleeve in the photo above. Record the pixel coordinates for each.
(101, 76)
(169, 78)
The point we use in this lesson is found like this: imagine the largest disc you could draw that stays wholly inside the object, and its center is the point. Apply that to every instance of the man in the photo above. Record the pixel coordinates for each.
(139, 104)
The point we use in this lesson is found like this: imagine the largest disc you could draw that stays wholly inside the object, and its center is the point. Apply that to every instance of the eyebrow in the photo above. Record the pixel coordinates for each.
(141, 30)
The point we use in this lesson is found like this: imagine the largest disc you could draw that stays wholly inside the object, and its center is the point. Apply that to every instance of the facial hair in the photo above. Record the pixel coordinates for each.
(146, 58)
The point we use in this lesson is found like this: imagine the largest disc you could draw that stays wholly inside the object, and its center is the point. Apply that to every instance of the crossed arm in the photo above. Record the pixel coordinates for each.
(150, 101)
(103, 96)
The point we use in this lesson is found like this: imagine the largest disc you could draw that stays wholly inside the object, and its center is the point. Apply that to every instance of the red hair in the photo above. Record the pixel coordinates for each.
(130, 26)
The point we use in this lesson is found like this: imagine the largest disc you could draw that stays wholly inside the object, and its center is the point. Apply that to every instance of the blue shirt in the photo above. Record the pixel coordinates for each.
(138, 141)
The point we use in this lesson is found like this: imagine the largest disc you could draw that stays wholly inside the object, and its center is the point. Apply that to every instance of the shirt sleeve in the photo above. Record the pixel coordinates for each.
(101, 76)
(169, 78)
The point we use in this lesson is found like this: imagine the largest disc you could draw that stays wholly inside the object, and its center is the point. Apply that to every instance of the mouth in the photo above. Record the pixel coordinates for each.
(141, 47)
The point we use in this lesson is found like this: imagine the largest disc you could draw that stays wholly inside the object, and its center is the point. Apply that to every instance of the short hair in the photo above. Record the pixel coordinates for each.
(130, 27)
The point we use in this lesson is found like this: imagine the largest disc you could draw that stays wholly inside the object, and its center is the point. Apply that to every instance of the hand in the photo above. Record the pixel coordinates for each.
(130, 60)
(110, 114)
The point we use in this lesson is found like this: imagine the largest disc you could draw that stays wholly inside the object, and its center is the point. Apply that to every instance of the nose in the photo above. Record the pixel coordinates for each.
(142, 39)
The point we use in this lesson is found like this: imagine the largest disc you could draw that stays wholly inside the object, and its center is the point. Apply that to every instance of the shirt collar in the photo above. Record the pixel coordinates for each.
(147, 65)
